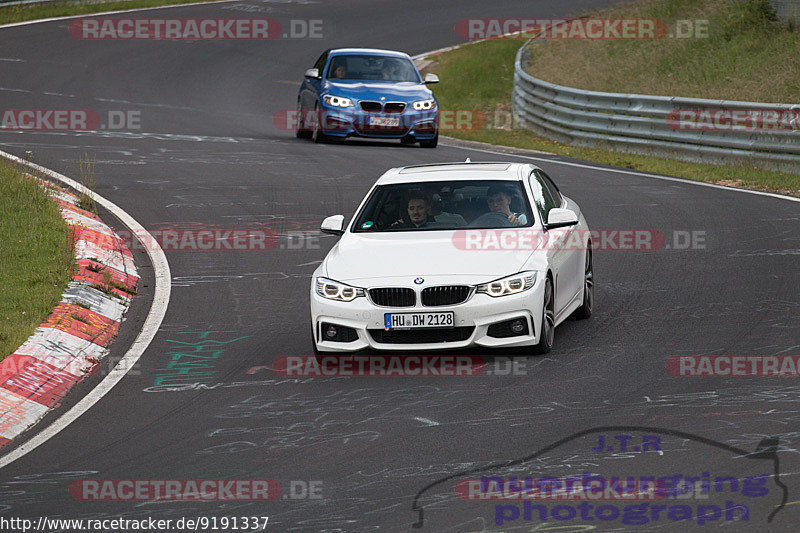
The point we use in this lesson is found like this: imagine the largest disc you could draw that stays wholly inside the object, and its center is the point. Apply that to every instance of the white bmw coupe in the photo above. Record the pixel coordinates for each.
(454, 255)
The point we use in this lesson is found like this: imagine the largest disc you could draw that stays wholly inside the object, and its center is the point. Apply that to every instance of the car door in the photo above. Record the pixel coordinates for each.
(557, 256)
(309, 90)
(570, 280)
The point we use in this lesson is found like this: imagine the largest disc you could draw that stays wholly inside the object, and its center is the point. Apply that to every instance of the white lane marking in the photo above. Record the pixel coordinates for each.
(25, 23)
(427, 421)
(151, 324)
(630, 172)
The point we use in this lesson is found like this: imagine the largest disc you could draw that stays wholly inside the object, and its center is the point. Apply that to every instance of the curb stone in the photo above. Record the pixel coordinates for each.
(69, 345)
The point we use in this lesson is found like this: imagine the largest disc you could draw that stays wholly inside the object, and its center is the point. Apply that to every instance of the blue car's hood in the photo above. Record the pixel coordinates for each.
(365, 90)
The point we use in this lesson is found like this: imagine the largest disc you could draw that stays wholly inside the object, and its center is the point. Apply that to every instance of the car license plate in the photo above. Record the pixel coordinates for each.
(384, 121)
(418, 320)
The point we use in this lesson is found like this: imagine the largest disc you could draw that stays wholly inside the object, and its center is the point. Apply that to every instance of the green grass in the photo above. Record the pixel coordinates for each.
(36, 258)
(22, 13)
(747, 55)
(486, 70)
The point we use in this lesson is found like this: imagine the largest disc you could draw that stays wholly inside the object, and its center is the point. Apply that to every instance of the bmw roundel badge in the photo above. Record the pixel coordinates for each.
(419, 281)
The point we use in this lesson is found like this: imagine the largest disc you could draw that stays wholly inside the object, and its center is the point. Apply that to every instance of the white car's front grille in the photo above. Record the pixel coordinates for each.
(393, 297)
(445, 295)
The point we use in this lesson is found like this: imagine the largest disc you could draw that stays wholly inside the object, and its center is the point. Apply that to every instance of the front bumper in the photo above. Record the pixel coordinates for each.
(475, 316)
(353, 122)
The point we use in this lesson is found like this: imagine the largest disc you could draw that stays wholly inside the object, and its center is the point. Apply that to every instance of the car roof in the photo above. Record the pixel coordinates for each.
(490, 170)
(373, 51)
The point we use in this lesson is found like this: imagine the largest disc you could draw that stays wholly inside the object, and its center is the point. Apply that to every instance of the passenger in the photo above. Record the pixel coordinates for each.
(439, 215)
(417, 209)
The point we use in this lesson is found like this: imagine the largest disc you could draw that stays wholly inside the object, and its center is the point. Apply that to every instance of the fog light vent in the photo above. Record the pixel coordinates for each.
(335, 333)
(509, 328)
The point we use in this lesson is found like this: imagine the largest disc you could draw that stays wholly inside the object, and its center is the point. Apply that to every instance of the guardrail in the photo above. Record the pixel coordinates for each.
(787, 11)
(76, 2)
(25, 2)
(645, 124)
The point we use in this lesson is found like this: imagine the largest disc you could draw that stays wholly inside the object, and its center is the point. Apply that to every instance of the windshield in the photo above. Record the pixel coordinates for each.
(372, 67)
(445, 205)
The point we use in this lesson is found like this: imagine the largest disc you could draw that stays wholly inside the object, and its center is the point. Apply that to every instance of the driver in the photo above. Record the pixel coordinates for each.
(391, 70)
(499, 200)
(417, 208)
(339, 71)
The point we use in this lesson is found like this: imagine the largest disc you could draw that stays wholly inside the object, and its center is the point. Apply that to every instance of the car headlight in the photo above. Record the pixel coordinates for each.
(337, 101)
(423, 105)
(333, 290)
(510, 285)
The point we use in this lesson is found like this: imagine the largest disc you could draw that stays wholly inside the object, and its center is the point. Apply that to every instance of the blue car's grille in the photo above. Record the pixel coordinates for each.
(394, 107)
(371, 107)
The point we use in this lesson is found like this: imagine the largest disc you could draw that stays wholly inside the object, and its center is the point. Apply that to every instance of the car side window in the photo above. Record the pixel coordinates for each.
(543, 195)
(320, 64)
(554, 192)
(538, 196)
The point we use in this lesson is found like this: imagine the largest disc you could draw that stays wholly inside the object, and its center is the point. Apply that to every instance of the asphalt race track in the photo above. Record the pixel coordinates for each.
(367, 454)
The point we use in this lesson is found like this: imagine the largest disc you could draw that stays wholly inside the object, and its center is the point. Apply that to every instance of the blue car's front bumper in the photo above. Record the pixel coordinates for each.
(352, 121)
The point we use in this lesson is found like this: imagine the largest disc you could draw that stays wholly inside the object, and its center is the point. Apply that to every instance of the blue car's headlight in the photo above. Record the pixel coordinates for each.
(510, 285)
(334, 290)
(424, 105)
(337, 101)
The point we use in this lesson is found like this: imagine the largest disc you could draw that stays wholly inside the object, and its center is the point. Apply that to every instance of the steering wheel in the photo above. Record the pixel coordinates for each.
(492, 219)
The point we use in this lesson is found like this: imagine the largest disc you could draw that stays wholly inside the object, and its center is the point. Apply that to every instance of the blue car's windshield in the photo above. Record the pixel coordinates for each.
(372, 67)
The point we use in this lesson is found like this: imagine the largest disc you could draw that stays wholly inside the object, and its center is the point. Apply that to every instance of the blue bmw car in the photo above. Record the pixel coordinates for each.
(366, 92)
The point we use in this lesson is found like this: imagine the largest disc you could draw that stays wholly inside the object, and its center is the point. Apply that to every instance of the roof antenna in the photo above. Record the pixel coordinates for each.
(468, 161)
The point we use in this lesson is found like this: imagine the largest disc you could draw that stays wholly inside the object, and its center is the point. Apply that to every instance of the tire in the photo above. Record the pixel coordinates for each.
(302, 131)
(317, 134)
(547, 328)
(585, 310)
(430, 143)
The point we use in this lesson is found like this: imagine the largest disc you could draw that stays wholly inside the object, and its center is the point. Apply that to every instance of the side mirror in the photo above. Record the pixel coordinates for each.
(559, 218)
(431, 78)
(333, 225)
(313, 73)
